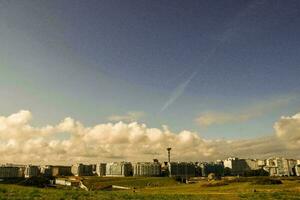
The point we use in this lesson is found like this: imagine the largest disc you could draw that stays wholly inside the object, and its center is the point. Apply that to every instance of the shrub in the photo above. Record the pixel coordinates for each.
(35, 181)
(267, 181)
(3, 190)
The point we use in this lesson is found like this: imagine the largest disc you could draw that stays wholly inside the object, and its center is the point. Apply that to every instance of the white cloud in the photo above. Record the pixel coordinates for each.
(288, 129)
(20, 142)
(129, 117)
(211, 118)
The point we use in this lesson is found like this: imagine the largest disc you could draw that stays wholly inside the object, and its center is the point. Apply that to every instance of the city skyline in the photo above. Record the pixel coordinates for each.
(124, 80)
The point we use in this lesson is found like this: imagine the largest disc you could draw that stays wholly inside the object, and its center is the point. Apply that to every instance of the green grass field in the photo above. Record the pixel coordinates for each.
(160, 188)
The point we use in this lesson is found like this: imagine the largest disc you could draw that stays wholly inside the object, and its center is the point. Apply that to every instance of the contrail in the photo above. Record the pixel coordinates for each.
(178, 91)
(225, 36)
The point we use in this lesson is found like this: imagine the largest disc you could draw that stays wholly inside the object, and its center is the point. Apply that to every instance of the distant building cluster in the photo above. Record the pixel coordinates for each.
(273, 166)
(229, 167)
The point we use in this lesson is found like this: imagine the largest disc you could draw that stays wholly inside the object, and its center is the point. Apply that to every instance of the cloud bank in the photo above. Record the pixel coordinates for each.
(70, 141)
(129, 117)
(212, 118)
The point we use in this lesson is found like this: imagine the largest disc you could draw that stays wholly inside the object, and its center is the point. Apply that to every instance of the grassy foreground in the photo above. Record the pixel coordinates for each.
(160, 188)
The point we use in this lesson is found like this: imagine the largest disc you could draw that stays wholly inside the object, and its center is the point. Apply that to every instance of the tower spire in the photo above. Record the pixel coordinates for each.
(169, 154)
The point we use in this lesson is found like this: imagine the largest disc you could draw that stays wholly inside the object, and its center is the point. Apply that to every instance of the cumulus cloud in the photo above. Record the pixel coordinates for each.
(211, 118)
(288, 129)
(129, 117)
(20, 142)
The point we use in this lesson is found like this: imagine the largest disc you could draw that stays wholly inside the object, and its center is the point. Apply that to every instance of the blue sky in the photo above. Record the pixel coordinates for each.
(95, 59)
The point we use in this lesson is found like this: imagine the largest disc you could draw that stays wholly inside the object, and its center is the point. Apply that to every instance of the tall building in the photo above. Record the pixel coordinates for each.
(292, 166)
(297, 169)
(237, 166)
(56, 170)
(146, 169)
(277, 166)
(31, 171)
(82, 170)
(20, 167)
(253, 164)
(242, 166)
(261, 163)
(9, 172)
(101, 169)
(181, 169)
(207, 168)
(119, 169)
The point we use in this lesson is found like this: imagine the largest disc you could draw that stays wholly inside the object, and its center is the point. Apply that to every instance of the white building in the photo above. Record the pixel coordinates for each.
(261, 163)
(146, 169)
(277, 166)
(119, 169)
(82, 170)
(297, 169)
(240, 166)
(292, 166)
(252, 164)
(31, 171)
(101, 169)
